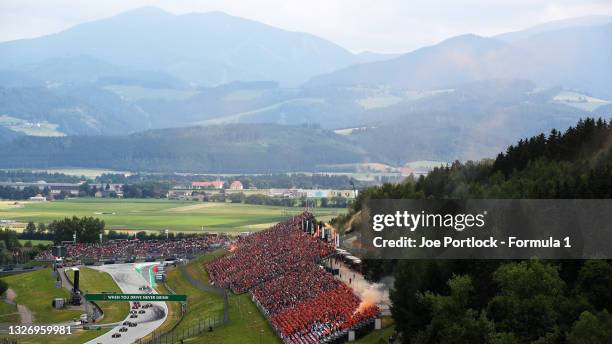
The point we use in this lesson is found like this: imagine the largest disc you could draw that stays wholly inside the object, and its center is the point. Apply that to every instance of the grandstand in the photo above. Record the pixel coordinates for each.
(302, 301)
(141, 249)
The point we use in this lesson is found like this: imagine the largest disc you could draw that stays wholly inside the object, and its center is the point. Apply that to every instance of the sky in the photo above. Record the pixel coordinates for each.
(392, 26)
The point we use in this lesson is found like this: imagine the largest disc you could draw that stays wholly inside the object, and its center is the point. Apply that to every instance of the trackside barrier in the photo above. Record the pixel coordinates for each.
(96, 309)
(172, 336)
(160, 334)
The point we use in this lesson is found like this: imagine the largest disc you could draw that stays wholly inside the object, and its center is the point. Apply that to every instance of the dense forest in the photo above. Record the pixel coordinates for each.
(575, 164)
(7, 192)
(533, 301)
(231, 148)
(34, 176)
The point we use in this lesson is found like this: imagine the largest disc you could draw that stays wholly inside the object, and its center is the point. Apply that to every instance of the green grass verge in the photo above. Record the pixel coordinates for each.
(152, 214)
(8, 313)
(174, 313)
(380, 336)
(94, 281)
(36, 290)
(200, 305)
(246, 324)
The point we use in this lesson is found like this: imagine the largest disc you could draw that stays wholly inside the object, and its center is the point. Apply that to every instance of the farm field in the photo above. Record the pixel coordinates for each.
(154, 215)
(43, 128)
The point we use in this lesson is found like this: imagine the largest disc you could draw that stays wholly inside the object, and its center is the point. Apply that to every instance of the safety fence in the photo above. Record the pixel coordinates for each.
(174, 335)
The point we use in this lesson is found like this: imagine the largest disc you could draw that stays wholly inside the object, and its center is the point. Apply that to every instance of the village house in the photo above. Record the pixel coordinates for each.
(216, 184)
(236, 185)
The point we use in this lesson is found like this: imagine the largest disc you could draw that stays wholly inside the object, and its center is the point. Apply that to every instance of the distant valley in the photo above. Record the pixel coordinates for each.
(464, 98)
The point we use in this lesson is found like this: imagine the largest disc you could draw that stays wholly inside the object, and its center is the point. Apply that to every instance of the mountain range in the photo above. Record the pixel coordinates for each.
(201, 48)
(575, 57)
(118, 81)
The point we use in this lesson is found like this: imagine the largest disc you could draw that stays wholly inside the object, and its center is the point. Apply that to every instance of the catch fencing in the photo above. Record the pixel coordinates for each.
(174, 335)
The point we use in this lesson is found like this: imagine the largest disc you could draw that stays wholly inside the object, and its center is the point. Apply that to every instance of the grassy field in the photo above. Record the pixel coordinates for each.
(246, 324)
(36, 242)
(235, 118)
(43, 128)
(8, 314)
(149, 214)
(379, 101)
(380, 336)
(36, 290)
(200, 305)
(138, 92)
(94, 281)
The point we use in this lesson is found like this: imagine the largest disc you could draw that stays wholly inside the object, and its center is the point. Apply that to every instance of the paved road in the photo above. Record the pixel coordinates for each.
(129, 281)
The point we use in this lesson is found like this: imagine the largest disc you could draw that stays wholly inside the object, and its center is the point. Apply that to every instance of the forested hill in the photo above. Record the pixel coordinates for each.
(573, 164)
(496, 301)
(237, 148)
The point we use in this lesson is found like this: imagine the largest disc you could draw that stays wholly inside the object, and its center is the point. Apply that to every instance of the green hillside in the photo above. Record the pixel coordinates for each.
(232, 148)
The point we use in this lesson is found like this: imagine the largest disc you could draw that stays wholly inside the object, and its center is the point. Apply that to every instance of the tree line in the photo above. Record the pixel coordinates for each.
(260, 181)
(511, 301)
(576, 164)
(7, 192)
(87, 229)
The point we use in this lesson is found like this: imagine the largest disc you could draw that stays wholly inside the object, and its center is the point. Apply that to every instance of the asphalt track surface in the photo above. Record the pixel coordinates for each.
(129, 280)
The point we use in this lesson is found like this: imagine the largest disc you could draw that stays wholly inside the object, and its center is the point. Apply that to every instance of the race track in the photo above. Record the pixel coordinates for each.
(129, 280)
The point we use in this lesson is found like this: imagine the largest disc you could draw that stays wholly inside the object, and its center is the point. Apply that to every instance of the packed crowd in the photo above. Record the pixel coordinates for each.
(267, 255)
(331, 311)
(285, 291)
(304, 302)
(140, 248)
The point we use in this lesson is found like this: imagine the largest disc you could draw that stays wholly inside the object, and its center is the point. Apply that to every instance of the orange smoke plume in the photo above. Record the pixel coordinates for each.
(370, 297)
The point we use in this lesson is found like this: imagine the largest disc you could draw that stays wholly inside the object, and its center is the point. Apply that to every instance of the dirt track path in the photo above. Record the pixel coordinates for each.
(26, 315)
(10, 296)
